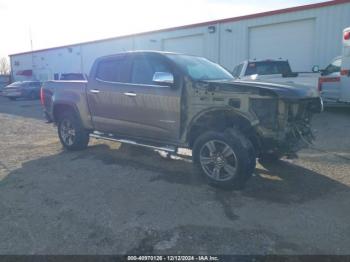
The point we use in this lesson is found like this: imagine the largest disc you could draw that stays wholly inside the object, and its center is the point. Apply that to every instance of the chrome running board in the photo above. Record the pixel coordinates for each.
(110, 137)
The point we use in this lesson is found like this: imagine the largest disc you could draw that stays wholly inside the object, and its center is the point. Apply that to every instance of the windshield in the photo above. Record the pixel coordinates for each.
(34, 84)
(199, 68)
(268, 68)
(334, 67)
(72, 76)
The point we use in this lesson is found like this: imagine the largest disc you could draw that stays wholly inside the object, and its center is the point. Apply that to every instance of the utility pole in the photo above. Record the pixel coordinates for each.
(31, 39)
(31, 47)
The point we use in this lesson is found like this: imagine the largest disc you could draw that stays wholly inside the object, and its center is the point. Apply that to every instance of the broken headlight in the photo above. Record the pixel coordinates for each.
(266, 110)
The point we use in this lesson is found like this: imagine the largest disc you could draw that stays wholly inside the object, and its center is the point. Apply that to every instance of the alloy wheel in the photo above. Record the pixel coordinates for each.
(218, 160)
(67, 132)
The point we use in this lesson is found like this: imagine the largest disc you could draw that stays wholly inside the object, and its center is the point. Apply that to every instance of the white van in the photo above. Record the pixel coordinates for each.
(334, 83)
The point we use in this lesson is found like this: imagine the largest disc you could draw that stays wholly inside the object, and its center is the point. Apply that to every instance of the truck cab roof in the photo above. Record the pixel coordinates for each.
(266, 60)
(140, 52)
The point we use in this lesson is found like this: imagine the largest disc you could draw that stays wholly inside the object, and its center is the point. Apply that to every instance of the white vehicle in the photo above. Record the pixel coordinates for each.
(274, 70)
(329, 82)
(334, 83)
(345, 69)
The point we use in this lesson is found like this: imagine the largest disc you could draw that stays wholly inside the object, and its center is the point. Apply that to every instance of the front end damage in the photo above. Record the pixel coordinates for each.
(285, 124)
(279, 116)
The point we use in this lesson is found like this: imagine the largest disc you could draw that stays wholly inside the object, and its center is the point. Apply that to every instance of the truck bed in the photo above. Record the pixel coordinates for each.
(71, 92)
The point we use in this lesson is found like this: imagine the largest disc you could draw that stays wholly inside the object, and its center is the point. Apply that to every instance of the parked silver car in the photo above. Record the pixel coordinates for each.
(25, 89)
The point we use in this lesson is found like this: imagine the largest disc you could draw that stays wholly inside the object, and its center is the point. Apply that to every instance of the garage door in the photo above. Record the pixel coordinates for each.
(193, 45)
(293, 41)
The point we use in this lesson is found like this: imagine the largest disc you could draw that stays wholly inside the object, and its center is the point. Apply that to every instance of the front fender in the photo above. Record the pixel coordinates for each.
(249, 118)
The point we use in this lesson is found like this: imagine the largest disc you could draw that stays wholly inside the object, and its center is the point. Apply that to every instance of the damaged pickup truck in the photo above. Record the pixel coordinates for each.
(167, 101)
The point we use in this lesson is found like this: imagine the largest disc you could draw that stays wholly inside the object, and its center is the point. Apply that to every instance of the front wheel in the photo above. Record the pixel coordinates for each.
(71, 132)
(226, 159)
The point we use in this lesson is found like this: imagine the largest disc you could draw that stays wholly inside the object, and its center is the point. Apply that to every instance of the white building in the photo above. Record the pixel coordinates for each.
(305, 35)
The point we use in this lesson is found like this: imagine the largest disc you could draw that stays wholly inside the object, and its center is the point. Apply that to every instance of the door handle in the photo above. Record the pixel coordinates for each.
(130, 94)
(94, 91)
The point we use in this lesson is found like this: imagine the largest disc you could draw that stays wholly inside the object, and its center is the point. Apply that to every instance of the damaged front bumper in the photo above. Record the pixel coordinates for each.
(292, 130)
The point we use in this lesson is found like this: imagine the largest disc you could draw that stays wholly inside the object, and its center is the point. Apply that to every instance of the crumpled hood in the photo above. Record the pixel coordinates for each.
(288, 91)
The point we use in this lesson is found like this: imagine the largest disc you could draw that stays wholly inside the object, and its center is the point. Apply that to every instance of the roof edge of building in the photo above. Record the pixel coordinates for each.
(225, 20)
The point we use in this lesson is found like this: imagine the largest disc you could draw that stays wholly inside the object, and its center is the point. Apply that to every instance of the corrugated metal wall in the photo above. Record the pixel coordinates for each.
(228, 44)
(329, 23)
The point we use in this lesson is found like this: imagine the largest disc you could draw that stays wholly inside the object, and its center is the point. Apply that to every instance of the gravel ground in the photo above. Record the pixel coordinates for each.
(117, 199)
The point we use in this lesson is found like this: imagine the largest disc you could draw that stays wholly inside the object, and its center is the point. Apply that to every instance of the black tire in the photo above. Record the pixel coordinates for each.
(239, 164)
(77, 141)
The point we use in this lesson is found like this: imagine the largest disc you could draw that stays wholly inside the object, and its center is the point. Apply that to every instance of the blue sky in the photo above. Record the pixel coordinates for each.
(60, 22)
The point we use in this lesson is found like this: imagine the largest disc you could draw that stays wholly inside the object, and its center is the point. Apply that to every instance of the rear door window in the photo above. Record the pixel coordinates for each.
(112, 70)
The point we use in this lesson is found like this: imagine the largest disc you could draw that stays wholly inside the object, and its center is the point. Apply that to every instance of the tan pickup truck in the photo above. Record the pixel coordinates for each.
(167, 101)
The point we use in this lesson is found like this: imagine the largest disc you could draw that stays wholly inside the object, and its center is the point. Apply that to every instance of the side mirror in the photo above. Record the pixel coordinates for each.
(163, 78)
(315, 69)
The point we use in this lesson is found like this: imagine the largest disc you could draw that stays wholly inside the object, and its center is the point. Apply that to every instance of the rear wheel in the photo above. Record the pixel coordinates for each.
(71, 132)
(226, 159)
